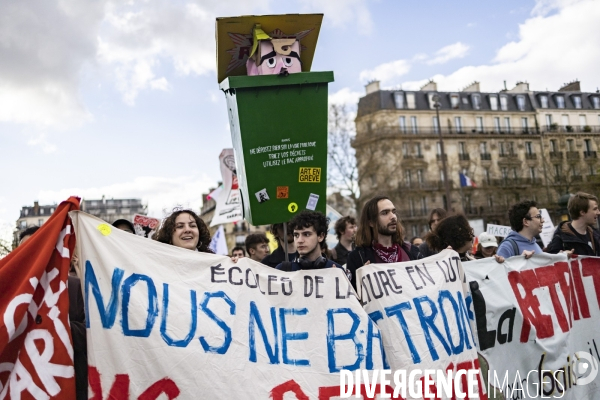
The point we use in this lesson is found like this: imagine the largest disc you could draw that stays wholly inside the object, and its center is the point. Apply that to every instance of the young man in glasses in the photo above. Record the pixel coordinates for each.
(526, 222)
(579, 234)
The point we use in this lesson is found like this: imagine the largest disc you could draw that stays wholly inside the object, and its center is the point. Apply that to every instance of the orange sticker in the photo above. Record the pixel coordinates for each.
(283, 192)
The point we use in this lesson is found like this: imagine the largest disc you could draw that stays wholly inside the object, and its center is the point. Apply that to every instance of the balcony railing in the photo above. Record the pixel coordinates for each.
(556, 155)
(486, 156)
(573, 155)
(571, 128)
(589, 154)
(429, 130)
(439, 157)
(504, 182)
(531, 156)
(412, 156)
(425, 185)
(464, 157)
(507, 155)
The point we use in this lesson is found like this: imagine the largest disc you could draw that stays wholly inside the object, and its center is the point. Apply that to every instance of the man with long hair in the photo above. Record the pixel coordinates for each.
(380, 237)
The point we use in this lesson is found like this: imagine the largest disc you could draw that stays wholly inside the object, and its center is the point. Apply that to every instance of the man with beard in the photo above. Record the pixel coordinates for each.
(278, 256)
(380, 237)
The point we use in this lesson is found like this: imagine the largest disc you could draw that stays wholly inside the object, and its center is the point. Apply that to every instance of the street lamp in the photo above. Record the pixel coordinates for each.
(437, 105)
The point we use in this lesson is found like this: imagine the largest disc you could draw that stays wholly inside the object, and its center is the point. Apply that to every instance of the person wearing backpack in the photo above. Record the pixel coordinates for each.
(526, 222)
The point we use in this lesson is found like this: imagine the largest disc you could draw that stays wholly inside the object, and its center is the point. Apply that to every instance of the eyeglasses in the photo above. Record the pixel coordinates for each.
(539, 216)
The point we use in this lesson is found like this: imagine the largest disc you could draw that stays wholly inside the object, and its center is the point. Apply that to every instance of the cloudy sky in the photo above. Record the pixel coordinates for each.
(120, 98)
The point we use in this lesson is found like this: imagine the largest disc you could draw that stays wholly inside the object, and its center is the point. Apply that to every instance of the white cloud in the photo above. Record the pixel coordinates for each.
(42, 141)
(341, 13)
(161, 193)
(386, 72)
(450, 52)
(546, 54)
(345, 96)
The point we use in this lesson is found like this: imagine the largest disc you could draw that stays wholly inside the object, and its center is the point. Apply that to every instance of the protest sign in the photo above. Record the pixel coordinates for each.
(145, 226)
(423, 311)
(537, 324)
(498, 230)
(192, 325)
(229, 205)
(36, 351)
(548, 227)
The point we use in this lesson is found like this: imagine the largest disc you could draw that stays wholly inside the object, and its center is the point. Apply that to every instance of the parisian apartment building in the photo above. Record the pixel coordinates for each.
(109, 210)
(514, 144)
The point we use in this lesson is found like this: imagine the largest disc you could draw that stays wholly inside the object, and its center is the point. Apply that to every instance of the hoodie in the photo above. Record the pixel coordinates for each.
(506, 248)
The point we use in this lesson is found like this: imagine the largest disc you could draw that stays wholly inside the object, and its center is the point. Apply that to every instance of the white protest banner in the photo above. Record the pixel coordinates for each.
(538, 325)
(145, 226)
(229, 205)
(423, 310)
(498, 230)
(167, 321)
(548, 227)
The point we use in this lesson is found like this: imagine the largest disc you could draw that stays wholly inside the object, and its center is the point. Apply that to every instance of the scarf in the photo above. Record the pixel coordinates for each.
(388, 254)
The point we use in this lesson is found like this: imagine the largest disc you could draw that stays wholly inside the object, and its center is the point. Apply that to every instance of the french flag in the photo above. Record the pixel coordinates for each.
(466, 181)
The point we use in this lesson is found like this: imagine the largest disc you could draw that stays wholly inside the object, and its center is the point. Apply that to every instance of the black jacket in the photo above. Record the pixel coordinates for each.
(277, 257)
(359, 256)
(77, 320)
(565, 239)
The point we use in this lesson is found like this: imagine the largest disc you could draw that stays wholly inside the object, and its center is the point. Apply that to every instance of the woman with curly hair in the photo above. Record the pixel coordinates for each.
(454, 232)
(184, 228)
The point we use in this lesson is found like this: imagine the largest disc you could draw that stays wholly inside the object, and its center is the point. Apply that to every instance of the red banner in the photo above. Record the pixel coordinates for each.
(36, 351)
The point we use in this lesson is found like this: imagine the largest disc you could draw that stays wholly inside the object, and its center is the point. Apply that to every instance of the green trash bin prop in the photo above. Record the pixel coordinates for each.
(278, 122)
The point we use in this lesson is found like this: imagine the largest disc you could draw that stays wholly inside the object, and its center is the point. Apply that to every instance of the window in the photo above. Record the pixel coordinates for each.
(557, 170)
(125, 210)
(462, 149)
(560, 101)
(423, 205)
(544, 101)
(442, 178)
(23, 224)
(454, 100)
(565, 120)
(490, 199)
(503, 103)
(582, 121)
(407, 177)
(493, 102)
(553, 146)
(417, 150)
(420, 175)
(413, 125)
(439, 149)
(497, 124)
(577, 101)
(486, 174)
(476, 102)
(483, 147)
(110, 202)
(410, 100)
(124, 203)
(93, 204)
(412, 206)
(458, 124)
(548, 121)
(399, 99)
(521, 102)
(596, 102)
(111, 211)
(514, 173)
(479, 124)
(510, 148)
(574, 171)
(524, 124)
(591, 170)
(26, 211)
(588, 144)
(507, 124)
(414, 229)
(436, 125)
(41, 211)
(405, 149)
(502, 148)
(40, 222)
(532, 173)
(402, 123)
(570, 145)
(504, 171)
(529, 148)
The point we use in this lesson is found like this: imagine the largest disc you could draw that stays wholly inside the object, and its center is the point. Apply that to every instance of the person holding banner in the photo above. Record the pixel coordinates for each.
(310, 230)
(257, 246)
(380, 238)
(526, 223)
(452, 232)
(579, 235)
(487, 246)
(184, 228)
(278, 255)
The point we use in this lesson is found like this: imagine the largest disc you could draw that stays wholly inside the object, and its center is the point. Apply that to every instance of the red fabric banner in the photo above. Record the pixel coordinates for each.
(36, 351)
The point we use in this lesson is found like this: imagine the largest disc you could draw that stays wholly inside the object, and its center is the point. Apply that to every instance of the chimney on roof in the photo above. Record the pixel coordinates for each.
(429, 86)
(36, 208)
(574, 86)
(520, 87)
(473, 87)
(372, 87)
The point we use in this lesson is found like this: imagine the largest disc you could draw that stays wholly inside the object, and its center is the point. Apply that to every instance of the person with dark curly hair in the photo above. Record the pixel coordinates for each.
(184, 228)
(345, 230)
(526, 222)
(310, 231)
(454, 232)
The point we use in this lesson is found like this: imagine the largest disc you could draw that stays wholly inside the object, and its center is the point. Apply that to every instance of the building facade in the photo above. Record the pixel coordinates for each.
(111, 210)
(514, 144)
